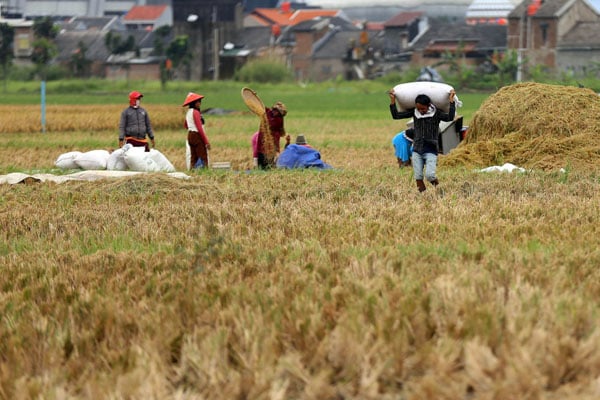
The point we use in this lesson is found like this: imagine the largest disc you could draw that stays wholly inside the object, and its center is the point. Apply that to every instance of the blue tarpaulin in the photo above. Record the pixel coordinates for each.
(296, 156)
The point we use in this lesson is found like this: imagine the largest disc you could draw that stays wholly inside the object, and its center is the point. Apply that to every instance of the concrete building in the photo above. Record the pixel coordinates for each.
(561, 35)
(30, 9)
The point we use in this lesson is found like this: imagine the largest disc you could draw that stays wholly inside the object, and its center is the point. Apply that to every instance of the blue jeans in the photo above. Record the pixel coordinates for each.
(427, 160)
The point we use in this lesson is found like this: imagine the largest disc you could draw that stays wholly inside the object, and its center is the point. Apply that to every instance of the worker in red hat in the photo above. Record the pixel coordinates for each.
(135, 124)
(197, 139)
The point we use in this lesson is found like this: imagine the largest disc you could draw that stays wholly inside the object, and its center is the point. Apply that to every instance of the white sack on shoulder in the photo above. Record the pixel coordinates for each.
(94, 159)
(162, 161)
(438, 92)
(116, 161)
(67, 160)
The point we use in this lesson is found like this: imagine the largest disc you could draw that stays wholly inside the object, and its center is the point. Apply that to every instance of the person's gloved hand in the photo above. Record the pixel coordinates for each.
(153, 144)
(255, 162)
(121, 143)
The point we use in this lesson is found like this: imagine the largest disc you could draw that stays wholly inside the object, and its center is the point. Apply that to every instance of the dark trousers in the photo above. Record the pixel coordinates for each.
(198, 149)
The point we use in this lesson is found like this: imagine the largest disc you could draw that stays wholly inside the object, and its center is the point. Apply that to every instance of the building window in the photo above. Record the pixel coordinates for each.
(544, 28)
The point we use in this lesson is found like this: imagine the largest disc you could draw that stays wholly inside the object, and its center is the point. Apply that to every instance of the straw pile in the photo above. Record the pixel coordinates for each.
(533, 125)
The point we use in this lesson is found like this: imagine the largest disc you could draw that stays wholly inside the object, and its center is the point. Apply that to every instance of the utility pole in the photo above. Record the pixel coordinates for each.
(520, 51)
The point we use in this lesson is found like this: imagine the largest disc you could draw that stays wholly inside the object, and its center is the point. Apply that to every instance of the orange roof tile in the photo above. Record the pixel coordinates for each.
(292, 17)
(308, 14)
(145, 13)
(403, 18)
(274, 15)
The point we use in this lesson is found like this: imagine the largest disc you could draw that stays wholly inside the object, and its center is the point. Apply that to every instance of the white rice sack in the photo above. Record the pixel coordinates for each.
(406, 93)
(188, 155)
(161, 160)
(94, 159)
(139, 160)
(67, 160)
(116, 161)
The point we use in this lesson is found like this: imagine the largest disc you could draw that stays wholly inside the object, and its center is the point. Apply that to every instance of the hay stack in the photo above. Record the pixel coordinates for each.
(533, 125)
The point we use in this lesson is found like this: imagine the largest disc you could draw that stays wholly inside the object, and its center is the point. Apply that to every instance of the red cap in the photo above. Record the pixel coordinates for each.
(133, 96)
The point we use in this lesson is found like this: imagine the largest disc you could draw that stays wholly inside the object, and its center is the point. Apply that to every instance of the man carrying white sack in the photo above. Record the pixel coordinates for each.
(426, 131)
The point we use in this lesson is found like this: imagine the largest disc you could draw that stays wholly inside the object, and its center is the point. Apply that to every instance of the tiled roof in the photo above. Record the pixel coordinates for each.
(403, 18)
(274, 15)
(68, 44)
(271, 16)
(374, 26)
(486, 36)
(547, 9)
(145, 13)
(305, 15)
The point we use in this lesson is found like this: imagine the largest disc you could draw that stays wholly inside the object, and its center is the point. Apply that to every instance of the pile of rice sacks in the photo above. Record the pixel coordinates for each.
(126, 158)
(533, 125)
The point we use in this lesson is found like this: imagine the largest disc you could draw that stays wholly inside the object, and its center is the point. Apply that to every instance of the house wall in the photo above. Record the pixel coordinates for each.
(136, 71)
(578, 12)
(539, 37)
(202, 32)
(324, 69)
(577, 62)
(302, 61)
(396, 39)
(23, 40)
(88, 8)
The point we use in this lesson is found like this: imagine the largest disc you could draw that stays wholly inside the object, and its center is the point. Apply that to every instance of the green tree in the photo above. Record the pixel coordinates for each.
(116, 45)
(7, 35)
(44, 28)
(44, 48)
(160, 36)
(80, 65)
(179, 53)
(507, 64)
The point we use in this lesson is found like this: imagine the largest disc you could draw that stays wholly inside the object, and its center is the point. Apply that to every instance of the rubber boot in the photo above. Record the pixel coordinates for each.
(435, 182)
(420, 185)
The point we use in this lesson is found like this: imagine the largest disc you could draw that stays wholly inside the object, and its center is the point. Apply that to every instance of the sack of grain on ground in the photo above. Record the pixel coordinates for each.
(148, 161)
(93, 159)
(67, 160)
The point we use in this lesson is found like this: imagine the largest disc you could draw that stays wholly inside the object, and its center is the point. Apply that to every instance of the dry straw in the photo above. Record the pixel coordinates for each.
(256, 105)
(533, 125)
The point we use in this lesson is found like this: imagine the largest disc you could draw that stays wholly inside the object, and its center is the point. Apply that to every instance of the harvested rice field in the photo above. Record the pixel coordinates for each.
(311, 284)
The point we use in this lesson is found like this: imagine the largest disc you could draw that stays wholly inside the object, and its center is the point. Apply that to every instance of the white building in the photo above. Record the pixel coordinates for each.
(69, 8)
(382, 9)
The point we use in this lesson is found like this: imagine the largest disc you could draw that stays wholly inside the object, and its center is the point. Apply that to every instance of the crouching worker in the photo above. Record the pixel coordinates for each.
(135, 124)
(402, 143)
(300, 155)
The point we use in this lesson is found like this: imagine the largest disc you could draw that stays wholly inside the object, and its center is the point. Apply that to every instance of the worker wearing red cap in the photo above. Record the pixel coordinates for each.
(135, 124)
(197, 139)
